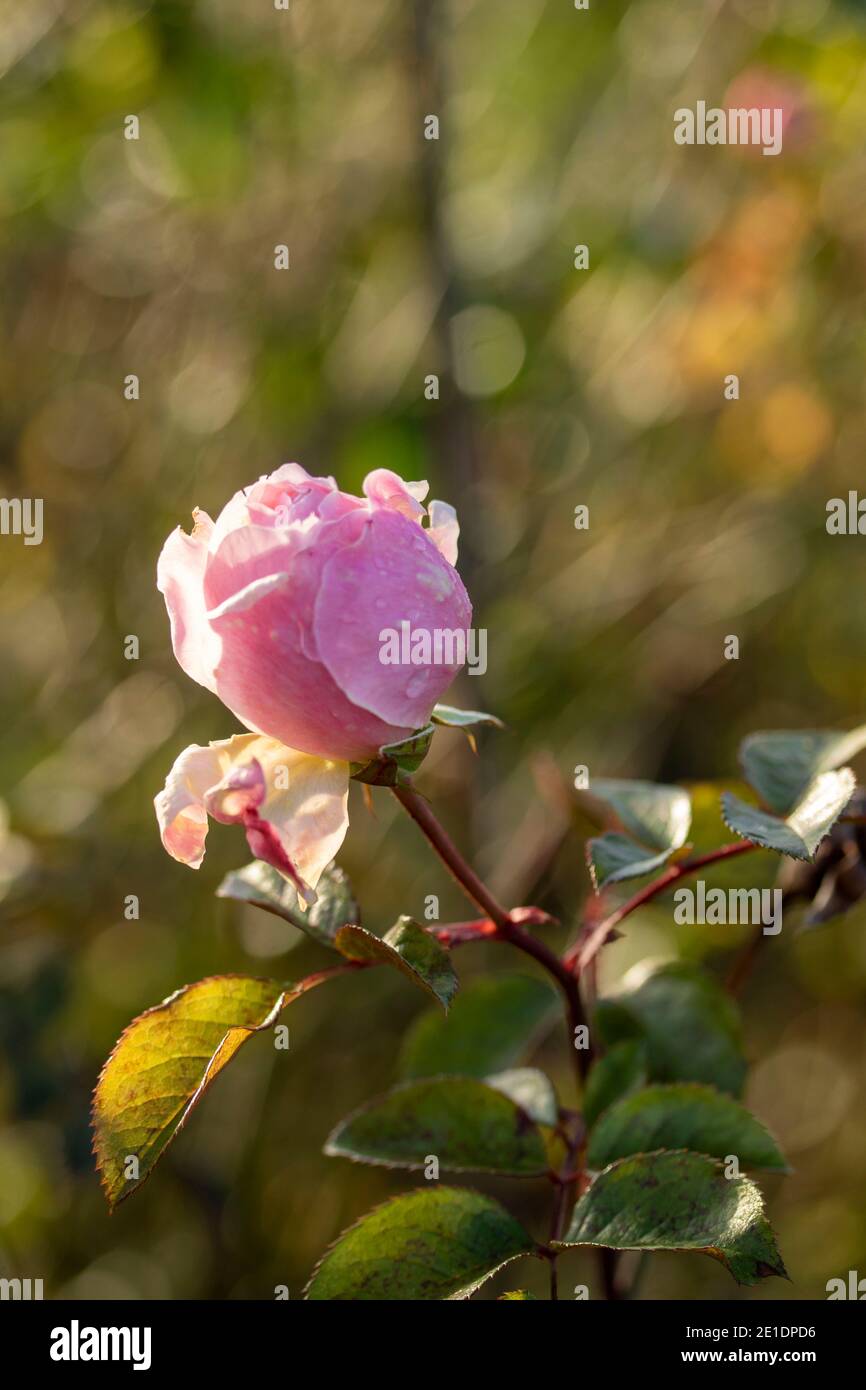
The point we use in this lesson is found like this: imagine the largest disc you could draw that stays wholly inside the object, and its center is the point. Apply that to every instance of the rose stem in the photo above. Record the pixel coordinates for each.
(506, 928)
(584, 950)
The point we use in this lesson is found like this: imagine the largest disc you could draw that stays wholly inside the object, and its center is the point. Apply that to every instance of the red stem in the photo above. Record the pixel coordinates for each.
(586, 948)
(450, 855)
(507, 925)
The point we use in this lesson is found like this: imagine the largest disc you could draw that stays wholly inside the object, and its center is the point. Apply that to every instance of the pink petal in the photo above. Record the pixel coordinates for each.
(444, 529)
(391, 575)
(306, 803)
(234, 515)
(235, 800)
(180, 578)
(265, 844)
(245, 555)
(288, 496)
(269, 672)
(241, 790)
(387, 489)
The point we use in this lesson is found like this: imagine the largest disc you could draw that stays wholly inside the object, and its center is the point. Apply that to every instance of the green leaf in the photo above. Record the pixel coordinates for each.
(651, 822)
(801, 833)
(708, 830)
(489, 1029)
(516, 1296)
(409, 949)
(613, 858)
(439, 1243)
(619, 1072)
(162, 1065)
(259, 884)
(683, 1117)
(465, 719)
(690, 1026)
(531, 1090)
(782, 765)
(468, 1126)
(396, 761)
(679, 1201)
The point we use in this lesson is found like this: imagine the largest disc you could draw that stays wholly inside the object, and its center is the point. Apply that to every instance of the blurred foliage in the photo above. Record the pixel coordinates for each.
(559, 388)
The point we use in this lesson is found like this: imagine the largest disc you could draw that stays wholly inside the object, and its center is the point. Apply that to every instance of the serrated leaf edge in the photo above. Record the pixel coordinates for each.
(805, 857)
(715, 1252)
(287, 993)
(702, 1089)
(332, 1152)
(405, 967)
(464, 1293)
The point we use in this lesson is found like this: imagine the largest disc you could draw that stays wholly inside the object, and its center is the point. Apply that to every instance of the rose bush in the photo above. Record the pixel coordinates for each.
(278, 608)
(284, 608)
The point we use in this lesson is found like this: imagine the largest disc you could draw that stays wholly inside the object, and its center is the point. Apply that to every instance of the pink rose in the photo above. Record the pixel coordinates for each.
(279, 607)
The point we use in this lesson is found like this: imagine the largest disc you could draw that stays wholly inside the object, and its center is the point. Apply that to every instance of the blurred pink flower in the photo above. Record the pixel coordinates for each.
(767, 89)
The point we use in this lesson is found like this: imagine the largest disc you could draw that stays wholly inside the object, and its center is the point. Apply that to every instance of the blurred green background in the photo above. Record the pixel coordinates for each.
(559, 387)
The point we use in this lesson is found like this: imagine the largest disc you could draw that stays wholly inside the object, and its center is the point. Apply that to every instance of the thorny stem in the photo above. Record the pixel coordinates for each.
(502, 925)
(583, 956)
(586, 949)
(499, 924)
(507, 924)
(450, 855)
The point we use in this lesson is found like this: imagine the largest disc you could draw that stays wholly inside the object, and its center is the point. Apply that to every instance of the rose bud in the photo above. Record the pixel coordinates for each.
(279, 607)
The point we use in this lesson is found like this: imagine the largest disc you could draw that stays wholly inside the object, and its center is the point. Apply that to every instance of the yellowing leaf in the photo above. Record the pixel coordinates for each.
(162, 1065)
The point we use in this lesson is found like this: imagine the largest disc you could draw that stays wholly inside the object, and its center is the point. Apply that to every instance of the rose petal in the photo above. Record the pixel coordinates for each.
(265, 844)
(269, 673)
(180, 578)
(444, 529)
(248, 596)
(245, 555)
(235, 514)
(306, 803)
(387, 489)
(392, 575)
(180, 806)
(289, 496)
(293, 806)
(241, 790)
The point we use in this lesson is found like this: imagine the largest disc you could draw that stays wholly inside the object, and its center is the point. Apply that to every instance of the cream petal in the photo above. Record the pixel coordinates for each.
(307, 804)
(180, 806)
(292, 805)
